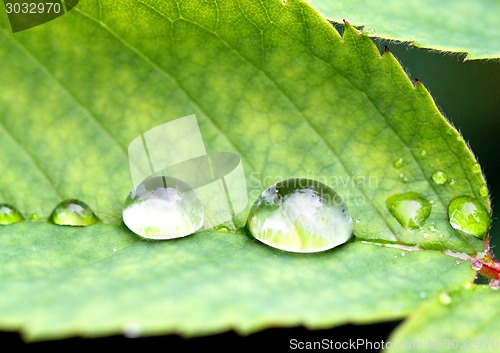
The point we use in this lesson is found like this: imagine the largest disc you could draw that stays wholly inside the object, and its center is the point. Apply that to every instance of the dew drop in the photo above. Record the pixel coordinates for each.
(469, 216)
(395, 256)
(398, 163)
(357, 220)
(34, 217)
(476, 168)
(452, 181)
(73, 213)
(163, 208)
(439, 177)
(300, 215)
(132, 330)
(423, 153)
(222, 229)
(426, 235)
(457, 262)
(410, 209)
(483, 191)
(494, 283)
(403, 253)
(476, 265)
(403, 178)
(444, 298)
(9, 214)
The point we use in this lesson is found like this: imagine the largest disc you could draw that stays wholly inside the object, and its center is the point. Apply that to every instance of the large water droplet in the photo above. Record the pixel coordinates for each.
(398, 163)
(163, 208)
(439, 177)
(9, 214)
(73, 213)
(410, 209)
(300, 215)
(469, 216)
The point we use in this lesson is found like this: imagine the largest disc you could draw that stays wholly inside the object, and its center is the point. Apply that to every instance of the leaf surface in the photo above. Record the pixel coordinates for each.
(270, 81)
(459, 321)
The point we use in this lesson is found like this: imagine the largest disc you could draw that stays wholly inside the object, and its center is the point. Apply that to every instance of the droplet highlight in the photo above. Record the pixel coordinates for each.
(398, 163)
(300, 215)
(410, 209)
(476, 168)
(445, 299)
(469, 216)
(73, 213)
(163, 208)
(9, 214)
(439, 177)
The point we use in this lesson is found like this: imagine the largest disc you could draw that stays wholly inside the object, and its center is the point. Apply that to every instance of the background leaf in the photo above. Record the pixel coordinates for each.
(459, 321)
(452, 25)
(101, 75)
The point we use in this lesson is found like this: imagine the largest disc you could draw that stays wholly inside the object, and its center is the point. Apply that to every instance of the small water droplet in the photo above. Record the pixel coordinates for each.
(452, 181)
(403, 178)
(444, 298)
(469, 216)
(441, 235)
(132, 330)
(403, 253)
(410, 209)
(483, 191)
(357, 220)
(439, 177)
(34, 217)
(163, 208)
(476, 168)
(73, 213)
(395, 256)
(423, 153)
(9, 214)
(494, 283)
(457, 262)
(398, 163)
(476, 265)
(222, 229)
(372, 32)
(426, 235)
(300, 215)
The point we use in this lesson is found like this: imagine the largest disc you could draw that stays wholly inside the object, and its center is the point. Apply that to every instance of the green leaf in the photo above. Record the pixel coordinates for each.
(59, 281)
(463, 320)
(451, 25)
(270, 81)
